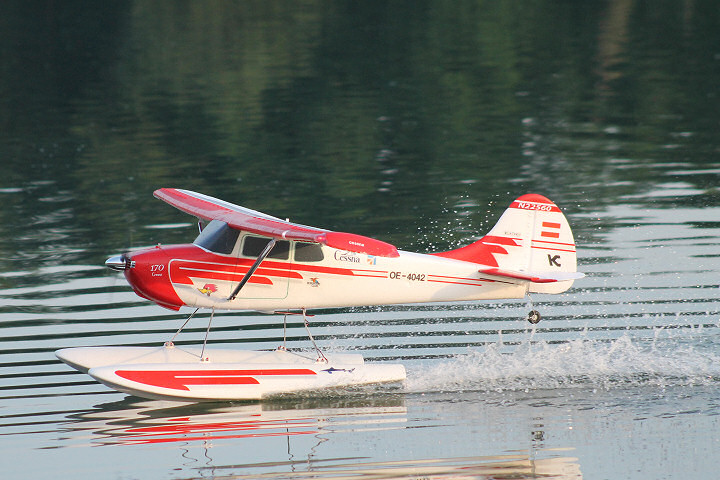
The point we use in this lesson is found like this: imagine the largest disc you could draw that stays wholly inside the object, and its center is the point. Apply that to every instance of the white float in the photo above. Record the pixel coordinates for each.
(176, 373)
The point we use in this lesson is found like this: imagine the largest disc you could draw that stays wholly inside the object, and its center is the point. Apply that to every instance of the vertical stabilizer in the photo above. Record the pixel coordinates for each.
(532, 242)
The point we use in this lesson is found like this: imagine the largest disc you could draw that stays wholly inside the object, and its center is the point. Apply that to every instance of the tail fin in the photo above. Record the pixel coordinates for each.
(532, 243)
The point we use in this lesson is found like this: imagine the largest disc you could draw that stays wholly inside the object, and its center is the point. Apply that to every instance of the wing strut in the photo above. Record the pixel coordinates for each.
(260, 258)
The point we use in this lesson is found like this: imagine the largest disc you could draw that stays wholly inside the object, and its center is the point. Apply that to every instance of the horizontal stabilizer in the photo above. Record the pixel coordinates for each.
(534, 277)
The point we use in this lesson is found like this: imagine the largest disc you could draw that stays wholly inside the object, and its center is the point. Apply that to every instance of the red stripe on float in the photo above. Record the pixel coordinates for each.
(180, 379)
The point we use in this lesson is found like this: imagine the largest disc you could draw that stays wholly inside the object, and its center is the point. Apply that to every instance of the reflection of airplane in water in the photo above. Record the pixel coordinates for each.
(154, 422)
(301, 436)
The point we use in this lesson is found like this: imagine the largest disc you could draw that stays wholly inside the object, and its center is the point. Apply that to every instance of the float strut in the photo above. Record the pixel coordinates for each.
(284, 345)
(321, 356)
(207, 332)
(170, 343)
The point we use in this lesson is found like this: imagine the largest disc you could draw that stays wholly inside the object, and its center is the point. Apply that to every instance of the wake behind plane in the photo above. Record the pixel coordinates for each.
(247, 260)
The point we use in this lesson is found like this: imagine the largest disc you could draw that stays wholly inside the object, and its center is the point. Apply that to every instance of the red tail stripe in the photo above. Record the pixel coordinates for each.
(554, 249)
(551, 225)
(554, 243)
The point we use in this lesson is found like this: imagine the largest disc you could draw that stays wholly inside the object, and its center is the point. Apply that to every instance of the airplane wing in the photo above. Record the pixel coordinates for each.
(209, 208)
(534, 277)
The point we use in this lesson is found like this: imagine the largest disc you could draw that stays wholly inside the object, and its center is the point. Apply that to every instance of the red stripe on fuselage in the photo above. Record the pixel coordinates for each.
(370, 274)
(185, 275)
(482, 251)
(181, 270)
(456, 280)
(218, 267)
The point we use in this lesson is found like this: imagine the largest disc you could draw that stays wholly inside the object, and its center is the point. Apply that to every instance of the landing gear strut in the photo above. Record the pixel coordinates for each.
(320, 355)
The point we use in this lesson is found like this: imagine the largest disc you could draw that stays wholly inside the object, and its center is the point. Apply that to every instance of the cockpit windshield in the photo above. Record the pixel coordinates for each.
(218, 237)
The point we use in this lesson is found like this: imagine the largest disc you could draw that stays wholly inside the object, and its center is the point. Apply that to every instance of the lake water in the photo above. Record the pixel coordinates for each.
(415, 123)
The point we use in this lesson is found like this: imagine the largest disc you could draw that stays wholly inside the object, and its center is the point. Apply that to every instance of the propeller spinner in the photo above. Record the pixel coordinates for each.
(119, 263)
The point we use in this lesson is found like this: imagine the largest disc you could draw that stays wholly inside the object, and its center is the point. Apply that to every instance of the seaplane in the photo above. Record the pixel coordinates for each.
(243, 259)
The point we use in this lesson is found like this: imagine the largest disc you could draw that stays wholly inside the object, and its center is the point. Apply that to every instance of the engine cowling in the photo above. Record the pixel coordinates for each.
(148, 272)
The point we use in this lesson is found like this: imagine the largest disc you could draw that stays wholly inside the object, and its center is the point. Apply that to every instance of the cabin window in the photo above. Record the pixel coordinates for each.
(308, 252)
(218, 237)
(253, 247)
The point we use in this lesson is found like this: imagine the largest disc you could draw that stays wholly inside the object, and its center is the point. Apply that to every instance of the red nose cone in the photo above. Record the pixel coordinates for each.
(150, 277)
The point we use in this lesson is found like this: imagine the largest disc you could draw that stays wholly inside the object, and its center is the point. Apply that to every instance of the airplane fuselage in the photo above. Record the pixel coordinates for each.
(324, 277)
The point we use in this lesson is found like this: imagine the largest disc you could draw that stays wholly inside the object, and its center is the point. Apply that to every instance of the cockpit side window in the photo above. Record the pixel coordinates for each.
(218, 237)
(308, 252)
(253, 247)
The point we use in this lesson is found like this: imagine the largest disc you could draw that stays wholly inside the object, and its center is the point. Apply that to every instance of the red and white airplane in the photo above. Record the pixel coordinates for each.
(247, 260)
